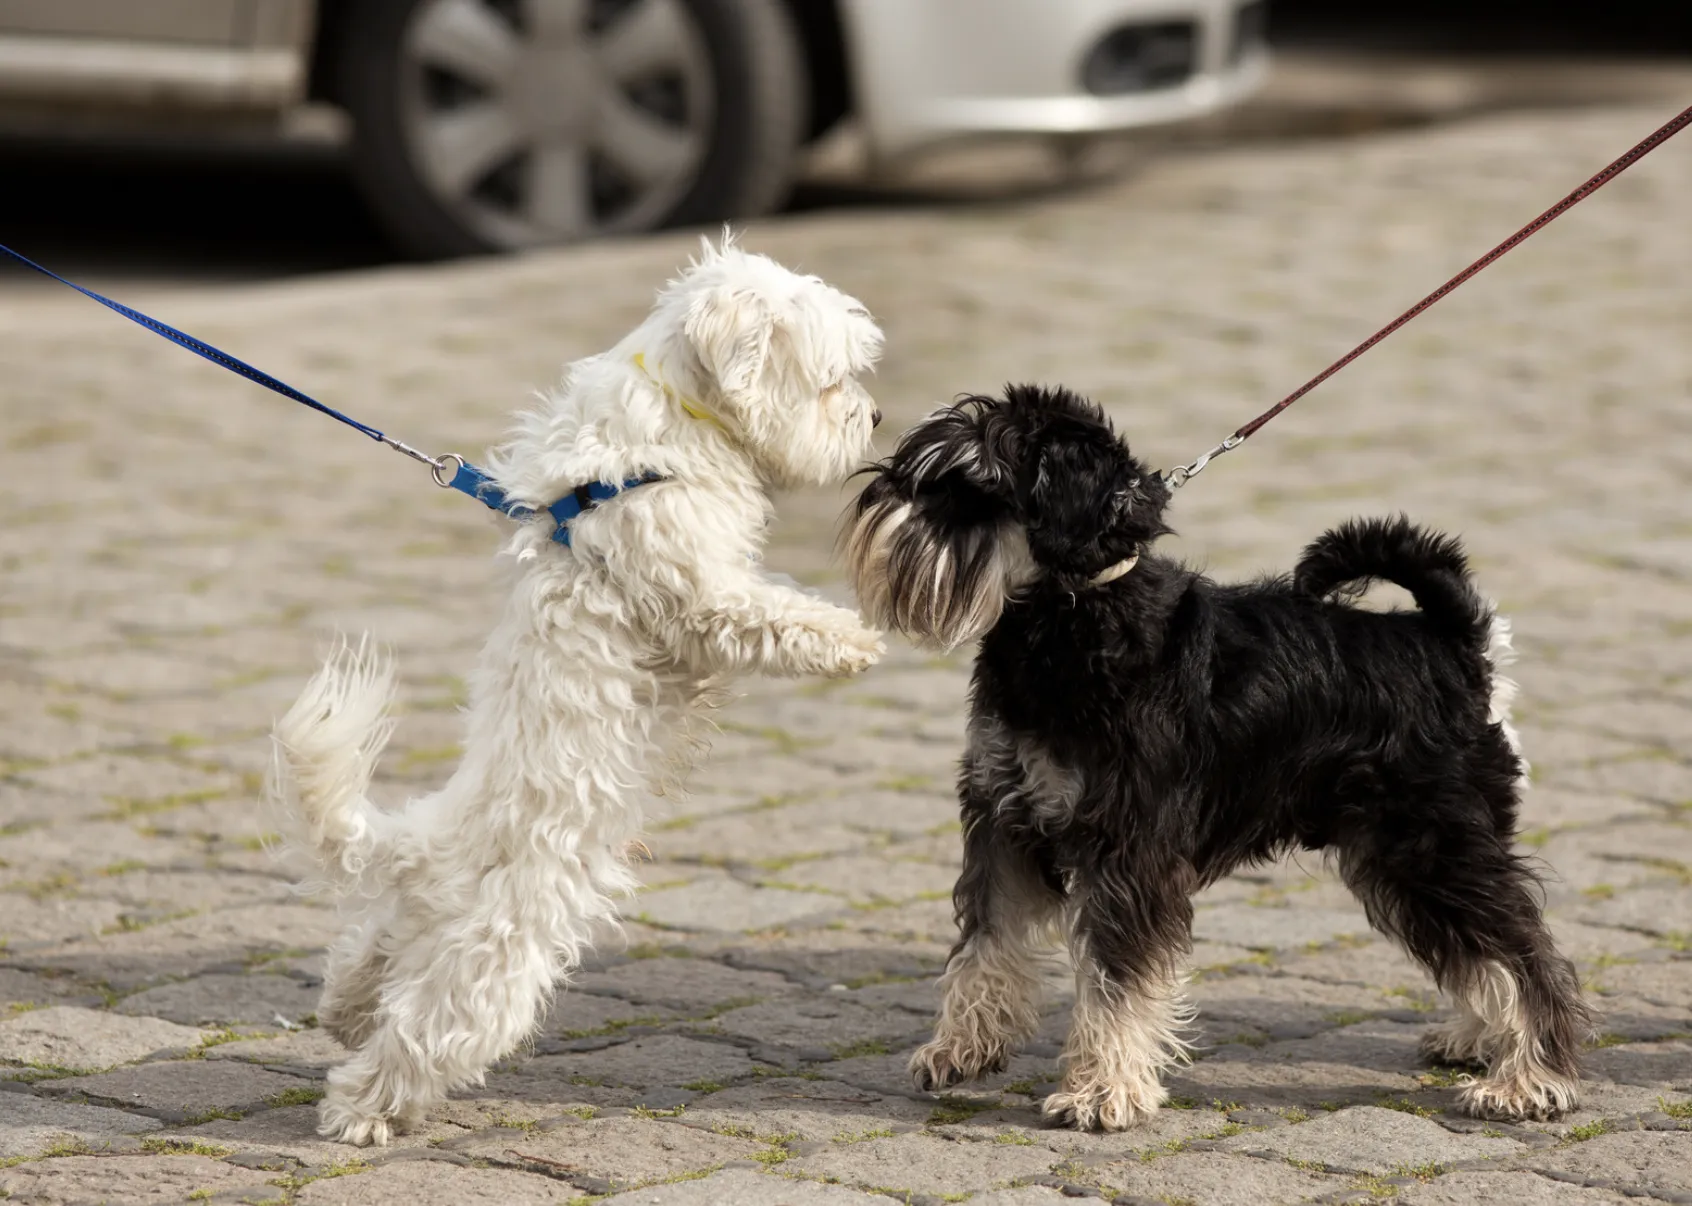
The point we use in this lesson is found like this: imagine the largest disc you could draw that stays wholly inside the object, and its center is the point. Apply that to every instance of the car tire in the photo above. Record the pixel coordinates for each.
(745, 147)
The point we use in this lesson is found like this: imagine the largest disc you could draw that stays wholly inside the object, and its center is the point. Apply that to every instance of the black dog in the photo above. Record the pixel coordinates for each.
(1138, 731)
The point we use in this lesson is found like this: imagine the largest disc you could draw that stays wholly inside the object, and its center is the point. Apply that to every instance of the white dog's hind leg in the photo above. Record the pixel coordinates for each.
(352, 983)
(460, 996)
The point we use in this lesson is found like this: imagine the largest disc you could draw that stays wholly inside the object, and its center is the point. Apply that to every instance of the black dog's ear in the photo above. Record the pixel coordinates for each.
(1087, 502)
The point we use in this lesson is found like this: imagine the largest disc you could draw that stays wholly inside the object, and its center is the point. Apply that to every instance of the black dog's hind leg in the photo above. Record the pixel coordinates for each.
(1007, 909)
(1443, 882)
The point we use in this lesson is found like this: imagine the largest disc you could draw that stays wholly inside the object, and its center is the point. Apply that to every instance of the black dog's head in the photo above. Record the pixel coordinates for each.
(984, 498)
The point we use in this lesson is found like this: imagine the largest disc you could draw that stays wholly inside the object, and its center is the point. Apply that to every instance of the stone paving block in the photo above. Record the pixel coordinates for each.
(720, 904)
(919, 996)
(923, 1163)
(745, 1188)
(1625, 1016)
(900, 814)
(102, 854)
(68, 1036)
(1582, 942)
(286, 1137)
(1551, 808)
(761, 837)
(401, 1181)
(109, 782)
(1664, 1064)
(1640, 1161)
(841, 955)
(27, 922)
(1517, 1188)
(687, 985)
(622, 1151)
(213, 1000)
(20, 990)
(582, 1014)
(1376, 962)
(755, 781)
(1377, 1046)
(182, 1090)
(1026, 1195)
(1245, 1075)
(831, 1022)
(924, 921)
(299, 1050)
(650, 1060)
(187, 946)
(1217, 1180)
(1272, 1002)
(1372, 1140)
(1269, 928)
(872, 877)
(813, 1110)
(30, 1125)
(1659, 909)
(1667, 982)
(131, 1180)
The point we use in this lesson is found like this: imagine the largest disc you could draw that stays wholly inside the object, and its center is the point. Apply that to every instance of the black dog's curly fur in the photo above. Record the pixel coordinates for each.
(1135, 739)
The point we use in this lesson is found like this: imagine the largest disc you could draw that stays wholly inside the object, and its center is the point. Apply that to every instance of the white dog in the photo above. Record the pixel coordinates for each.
(469, 904)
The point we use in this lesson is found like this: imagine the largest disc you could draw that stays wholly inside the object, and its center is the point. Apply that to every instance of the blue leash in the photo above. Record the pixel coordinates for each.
(466, 478)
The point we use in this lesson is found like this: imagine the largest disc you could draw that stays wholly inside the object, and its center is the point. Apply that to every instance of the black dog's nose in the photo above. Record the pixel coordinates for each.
(875, 417)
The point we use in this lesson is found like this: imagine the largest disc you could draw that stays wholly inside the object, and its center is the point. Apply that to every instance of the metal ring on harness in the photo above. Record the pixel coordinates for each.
(438, 469)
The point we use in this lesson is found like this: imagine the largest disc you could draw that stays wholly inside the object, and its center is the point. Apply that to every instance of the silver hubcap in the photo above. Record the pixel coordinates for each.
(538, 121)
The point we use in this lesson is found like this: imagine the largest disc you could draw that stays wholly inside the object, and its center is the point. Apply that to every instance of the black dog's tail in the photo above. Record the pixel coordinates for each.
(1430, 566)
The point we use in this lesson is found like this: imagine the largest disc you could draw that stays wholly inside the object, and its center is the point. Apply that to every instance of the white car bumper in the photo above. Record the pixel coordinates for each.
(928, 71)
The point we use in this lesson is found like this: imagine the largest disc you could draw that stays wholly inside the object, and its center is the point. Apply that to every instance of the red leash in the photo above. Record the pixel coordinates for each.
(1180, 475)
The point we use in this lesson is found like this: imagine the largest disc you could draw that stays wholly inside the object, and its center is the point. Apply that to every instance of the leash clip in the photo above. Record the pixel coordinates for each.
(444, 468)
(1180, 475)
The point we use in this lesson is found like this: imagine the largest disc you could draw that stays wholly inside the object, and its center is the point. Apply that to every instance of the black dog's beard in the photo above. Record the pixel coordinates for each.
(940, 586)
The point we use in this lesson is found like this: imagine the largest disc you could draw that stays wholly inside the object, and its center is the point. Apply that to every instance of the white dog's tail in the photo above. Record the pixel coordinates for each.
(326, 749)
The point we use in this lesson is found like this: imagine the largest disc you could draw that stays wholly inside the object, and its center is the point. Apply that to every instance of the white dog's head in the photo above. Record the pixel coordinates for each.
(777, 358)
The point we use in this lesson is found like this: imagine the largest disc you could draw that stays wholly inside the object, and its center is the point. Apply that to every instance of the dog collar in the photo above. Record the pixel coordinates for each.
(690, 406)
(1113, 572)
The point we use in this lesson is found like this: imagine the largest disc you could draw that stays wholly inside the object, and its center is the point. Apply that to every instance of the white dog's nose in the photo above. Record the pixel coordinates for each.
(875, 417)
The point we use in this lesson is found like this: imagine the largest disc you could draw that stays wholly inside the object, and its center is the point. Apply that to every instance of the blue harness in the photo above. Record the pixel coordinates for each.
(465, 477)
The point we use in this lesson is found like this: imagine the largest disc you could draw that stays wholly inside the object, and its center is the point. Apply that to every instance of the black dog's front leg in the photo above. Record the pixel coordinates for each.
(1007, 906)
(1131, 931)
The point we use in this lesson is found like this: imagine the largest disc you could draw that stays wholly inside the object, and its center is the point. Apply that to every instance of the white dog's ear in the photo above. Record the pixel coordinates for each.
(730, 331)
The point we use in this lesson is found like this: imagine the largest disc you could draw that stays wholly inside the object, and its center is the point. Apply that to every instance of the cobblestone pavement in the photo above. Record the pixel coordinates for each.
(177, 548)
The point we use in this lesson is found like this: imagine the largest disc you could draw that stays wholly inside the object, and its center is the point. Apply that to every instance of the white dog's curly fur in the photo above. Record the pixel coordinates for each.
(468, 905)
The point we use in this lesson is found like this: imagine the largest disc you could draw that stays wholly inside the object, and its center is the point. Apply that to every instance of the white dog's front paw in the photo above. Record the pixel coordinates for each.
(856, 652)
(341, 1121)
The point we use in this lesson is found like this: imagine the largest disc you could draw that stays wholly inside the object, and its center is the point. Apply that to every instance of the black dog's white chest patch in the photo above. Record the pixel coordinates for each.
(1025, 782)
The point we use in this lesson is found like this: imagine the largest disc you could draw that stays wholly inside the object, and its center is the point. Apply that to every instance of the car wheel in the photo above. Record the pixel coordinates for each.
(489, 125)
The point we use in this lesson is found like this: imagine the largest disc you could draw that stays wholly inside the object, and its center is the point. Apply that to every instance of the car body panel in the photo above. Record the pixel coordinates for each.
(129, 58)
(942, 69)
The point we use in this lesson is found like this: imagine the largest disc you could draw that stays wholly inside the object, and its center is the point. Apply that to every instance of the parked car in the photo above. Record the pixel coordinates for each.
(481, 125)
